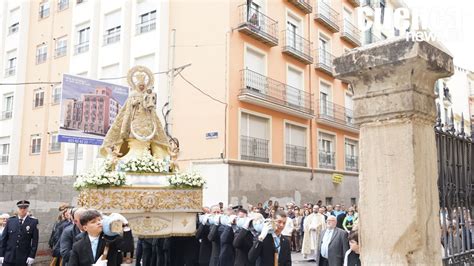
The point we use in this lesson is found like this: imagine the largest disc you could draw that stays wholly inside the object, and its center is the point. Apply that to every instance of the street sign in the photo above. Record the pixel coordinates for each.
(212, 135)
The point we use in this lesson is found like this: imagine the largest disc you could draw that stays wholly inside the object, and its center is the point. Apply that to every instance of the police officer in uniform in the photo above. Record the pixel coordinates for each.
(19, 240)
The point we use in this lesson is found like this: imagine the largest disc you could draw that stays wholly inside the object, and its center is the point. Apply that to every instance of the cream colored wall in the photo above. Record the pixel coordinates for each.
(43, 120)
(204, 24)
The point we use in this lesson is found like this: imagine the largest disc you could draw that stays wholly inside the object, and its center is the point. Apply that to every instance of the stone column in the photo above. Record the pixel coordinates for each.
(394, 105)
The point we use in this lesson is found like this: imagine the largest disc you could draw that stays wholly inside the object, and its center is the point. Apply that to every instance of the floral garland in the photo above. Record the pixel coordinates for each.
(100, 174)
(145, 164)
(187, 180)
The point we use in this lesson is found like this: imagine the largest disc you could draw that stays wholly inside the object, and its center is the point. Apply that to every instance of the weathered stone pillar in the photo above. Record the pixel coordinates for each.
(394, 105)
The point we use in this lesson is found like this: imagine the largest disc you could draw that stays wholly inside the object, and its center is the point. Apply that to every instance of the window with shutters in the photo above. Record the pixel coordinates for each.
(327, 155)
(254, 138)
(295, 145)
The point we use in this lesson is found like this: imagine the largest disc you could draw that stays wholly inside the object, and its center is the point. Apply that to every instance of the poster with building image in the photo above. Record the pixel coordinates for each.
(88, 109)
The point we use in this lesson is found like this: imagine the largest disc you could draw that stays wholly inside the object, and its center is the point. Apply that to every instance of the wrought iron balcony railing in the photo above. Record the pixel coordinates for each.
(352, 163)
(369, 37)
(81, 48)
(327, 16)
(371, 3)
(60, 51)
(327, 159)
(296, 155)
(10, 71)
(254, 149)
(41, 58)
(112, 37)
(334, 113)
(6, 115)
(324, 61)
(56, 98)
(256, 24)
(297, 47)
(4, 159)
(350, 33)
(273, 91)
(146, 26)
(55, 146)
(303, 5)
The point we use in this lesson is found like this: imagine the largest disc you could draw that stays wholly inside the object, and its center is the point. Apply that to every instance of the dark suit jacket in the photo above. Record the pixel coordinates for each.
(215, 239)
(57, 237)
(265, 250)
(205, 246)
(243, 241)
(70, 235)
(227, 254)
(337, 248)
(82, 255)
(19, 241)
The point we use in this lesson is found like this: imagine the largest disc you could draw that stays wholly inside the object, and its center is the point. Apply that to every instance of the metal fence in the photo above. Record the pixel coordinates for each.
(254, 149)
(455, 152)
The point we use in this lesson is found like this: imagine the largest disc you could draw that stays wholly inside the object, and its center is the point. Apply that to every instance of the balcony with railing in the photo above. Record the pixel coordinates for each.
(146, 26)
(81, 48)
(352, 163)
(327, 16)
(335, 115)
(264, 91)
(41, 58)
(327, 159)
(297, 47)
(296, 155)
(350, 33)
(254, 149)
(6, 115)
(55, 147)
(303, 5)
(257, 25)
(4, 158)
(10, 71)
(369, 37)
(112, 37)
(355, 3)
(371, 3)
(60, 51)
(324, 61)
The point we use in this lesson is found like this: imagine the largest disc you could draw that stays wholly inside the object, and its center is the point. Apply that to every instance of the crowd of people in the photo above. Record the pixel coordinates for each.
(264, 234)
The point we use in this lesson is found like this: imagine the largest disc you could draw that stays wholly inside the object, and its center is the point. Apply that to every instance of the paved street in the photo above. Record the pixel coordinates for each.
(297, 259)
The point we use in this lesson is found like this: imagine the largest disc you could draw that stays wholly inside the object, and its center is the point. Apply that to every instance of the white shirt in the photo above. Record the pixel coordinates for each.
(325, 243)
(23, 219)
(288, 230)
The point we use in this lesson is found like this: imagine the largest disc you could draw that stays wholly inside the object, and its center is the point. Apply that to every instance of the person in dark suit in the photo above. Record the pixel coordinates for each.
(95, 245)
(226, 232)
(205, 246)
(334, 244)
(243, 240)
(70, 235)
(272, 245)
(19, 240)
(214, 236)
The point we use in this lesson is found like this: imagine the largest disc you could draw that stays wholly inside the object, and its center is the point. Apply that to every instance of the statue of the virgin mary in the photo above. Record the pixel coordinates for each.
(137, 128)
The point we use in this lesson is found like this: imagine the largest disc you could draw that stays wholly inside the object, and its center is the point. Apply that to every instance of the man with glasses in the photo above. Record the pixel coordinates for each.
(19, 240)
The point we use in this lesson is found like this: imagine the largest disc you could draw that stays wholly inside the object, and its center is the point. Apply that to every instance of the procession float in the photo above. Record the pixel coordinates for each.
(136, 174)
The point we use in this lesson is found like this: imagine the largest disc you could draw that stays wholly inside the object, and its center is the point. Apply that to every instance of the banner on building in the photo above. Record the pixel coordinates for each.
(88, 109)
(337, 178)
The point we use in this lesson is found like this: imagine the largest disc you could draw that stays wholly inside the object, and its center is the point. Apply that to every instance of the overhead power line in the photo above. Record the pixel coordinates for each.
(201, 91)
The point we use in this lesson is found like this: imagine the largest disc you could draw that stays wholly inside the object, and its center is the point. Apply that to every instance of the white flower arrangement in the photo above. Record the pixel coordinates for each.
(101, 174)
(186, 180)
(145, 164)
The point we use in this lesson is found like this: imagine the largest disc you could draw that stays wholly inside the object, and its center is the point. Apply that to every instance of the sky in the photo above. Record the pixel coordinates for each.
(453, 23)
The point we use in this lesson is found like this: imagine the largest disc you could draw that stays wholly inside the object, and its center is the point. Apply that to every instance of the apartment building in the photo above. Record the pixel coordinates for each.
(14, 25)
(281, 123)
